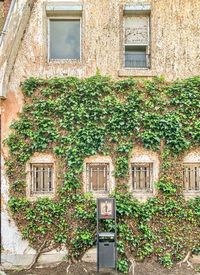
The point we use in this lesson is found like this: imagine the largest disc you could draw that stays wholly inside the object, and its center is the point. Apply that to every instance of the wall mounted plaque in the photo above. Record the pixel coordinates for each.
(106, 208)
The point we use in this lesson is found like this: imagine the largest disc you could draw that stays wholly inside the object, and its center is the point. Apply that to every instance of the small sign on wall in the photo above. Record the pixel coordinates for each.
(106, 208)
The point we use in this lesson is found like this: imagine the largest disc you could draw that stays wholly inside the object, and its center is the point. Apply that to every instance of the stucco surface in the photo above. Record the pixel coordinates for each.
(11, 238)
(1, 16)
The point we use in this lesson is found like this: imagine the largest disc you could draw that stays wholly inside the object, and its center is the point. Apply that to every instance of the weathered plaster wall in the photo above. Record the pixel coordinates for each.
(6, 6)
(1, 16)
(175, 53)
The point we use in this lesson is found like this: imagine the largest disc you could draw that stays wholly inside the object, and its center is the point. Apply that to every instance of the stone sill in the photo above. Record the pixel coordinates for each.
(136, 72)
(39, 196)
(143, 196)
(75, 62)
(191, 195)
(100, 195)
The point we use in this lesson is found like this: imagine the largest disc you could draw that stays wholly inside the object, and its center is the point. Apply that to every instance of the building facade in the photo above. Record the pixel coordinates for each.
(141, 39)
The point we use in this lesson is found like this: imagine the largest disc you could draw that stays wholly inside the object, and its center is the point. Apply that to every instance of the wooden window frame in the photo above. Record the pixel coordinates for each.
(188, 185)
(36, 174)
(148, 186)
(90, 188)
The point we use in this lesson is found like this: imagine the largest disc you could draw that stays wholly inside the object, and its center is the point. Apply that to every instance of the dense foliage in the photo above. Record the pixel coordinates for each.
(73, 118)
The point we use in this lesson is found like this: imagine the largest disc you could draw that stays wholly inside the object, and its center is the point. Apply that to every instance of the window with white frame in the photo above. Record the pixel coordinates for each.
(64, 39)
(41, 175)
(191, 177)
(98, 177)
(142, 176)
(137, 40)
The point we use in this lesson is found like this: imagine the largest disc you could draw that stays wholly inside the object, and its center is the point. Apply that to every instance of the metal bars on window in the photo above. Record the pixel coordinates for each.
(191, 177)
(142, 176)
(98, 177)
(41, 178)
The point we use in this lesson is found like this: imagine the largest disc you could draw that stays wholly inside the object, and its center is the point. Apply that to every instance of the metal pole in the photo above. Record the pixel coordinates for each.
(115, 237)
(97, 236)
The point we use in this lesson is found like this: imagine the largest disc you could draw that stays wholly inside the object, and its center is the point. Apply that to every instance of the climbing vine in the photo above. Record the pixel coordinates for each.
(72, 119)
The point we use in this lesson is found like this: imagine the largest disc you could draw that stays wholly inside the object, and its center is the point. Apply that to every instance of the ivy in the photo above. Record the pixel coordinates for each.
(75, 118)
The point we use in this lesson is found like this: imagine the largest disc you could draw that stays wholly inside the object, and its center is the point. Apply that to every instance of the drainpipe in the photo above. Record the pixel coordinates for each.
(0, 187)
(4, 31)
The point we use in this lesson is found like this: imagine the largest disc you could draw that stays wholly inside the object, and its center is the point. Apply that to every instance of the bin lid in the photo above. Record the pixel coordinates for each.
(107, 234)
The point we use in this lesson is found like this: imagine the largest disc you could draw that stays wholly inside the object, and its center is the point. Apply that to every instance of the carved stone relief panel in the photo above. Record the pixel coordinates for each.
(137, 30)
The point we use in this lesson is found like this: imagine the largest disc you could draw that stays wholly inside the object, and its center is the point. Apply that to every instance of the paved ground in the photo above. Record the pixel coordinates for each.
(146, 268)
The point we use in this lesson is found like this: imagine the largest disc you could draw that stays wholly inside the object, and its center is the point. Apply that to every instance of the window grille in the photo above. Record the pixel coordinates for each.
(191, 177)
(98, 177)
(136, 57)
(41, 178)
(142, 176)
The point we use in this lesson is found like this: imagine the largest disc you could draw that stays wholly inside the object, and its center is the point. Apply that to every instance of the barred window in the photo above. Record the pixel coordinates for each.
(191, 176)
(142, 176)
(41, 178)
(98, 177)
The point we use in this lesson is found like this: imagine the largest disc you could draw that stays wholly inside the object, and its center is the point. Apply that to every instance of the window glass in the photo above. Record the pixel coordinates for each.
(64, 39)
(135, 56)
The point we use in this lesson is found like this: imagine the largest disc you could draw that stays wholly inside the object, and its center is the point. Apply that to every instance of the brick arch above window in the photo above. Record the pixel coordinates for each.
(193, 156)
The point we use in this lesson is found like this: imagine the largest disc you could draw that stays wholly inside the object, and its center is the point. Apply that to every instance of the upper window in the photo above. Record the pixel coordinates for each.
(98, 175)
(136, 41)
(64, 39)
(191, 176)
(142, 176)
(41, 178)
